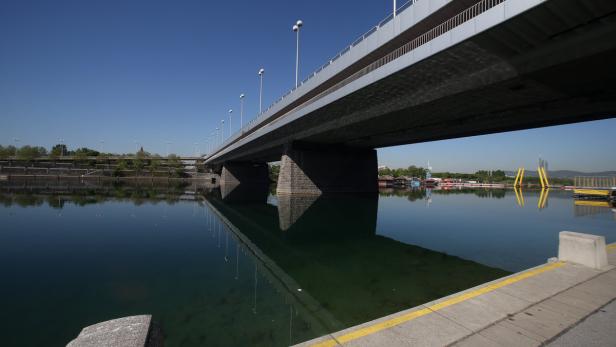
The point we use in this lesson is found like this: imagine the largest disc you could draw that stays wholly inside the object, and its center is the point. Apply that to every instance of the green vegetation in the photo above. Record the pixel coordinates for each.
(411, 171)
(122, 164)
(29, 152)
(8, 151)
(274, 171)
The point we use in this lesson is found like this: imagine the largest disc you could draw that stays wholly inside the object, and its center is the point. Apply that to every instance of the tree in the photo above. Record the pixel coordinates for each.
(84, 151)
(7, 151)
(28, 152)
(59, 150)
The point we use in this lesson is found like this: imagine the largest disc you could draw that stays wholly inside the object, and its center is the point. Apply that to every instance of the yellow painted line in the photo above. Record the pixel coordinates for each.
(353, 335)
(611, 247)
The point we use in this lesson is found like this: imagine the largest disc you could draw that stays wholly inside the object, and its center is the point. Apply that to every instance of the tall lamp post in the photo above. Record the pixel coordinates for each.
(168, 143)
(395, 8)
(217, 137)
(222, 131)
(296, 28)
(242, 96)
(261, 72)
(230, 112)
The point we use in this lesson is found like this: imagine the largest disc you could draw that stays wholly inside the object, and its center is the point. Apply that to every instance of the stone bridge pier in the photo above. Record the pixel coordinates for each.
(316, 170)
(247, 173)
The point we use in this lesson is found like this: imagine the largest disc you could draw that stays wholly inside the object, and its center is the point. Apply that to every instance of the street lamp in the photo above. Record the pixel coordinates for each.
(216, 138)
(222, 131)
(61, 147)
(230, 112)
(242, 96)
(296, 28)
(102, 145)
(196, 149)
(168, 143)
(395, 8)
(261, 72)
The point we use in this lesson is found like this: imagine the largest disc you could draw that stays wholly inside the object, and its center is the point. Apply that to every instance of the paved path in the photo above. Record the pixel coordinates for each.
(529, 308)
(597, 330)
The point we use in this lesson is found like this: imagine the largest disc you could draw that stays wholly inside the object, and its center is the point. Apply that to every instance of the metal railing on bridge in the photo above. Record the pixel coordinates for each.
(419, 41)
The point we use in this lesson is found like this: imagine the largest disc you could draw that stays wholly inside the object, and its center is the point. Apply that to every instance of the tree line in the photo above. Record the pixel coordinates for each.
(28, 152)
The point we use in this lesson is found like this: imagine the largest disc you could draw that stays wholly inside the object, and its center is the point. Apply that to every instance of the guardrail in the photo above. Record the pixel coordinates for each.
(422, 39)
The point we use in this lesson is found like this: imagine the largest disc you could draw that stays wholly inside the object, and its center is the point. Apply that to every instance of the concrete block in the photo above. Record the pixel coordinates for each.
(584, 249)
(122, 332)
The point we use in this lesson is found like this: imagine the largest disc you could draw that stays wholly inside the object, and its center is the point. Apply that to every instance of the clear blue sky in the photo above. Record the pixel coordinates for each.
(157, 71)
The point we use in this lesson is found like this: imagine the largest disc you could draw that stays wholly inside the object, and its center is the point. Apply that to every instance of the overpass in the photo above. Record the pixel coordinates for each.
(440, 69)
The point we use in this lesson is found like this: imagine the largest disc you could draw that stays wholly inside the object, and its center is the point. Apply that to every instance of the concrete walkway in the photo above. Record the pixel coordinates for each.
(529, 308)
(597, 330)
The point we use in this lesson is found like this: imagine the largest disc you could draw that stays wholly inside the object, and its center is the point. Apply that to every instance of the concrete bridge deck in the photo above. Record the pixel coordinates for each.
(468, 68)
(529, 308)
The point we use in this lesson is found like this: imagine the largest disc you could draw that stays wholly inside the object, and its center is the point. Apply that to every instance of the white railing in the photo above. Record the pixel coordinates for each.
(422, 39)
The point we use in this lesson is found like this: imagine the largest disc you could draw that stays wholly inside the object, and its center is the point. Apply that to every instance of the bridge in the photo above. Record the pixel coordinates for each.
(439, 69)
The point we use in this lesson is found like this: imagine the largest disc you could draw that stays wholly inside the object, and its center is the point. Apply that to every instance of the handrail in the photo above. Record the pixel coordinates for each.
(422, 39)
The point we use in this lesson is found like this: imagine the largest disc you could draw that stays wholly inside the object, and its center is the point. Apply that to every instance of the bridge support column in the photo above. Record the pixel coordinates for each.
(316, 171)
(234, 173)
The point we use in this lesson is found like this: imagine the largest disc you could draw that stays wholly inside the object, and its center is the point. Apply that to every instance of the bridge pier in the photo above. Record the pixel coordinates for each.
(315, 171)
(250, 173)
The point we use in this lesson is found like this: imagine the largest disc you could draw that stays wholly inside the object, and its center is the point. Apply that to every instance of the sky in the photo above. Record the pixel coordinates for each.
(118, 74)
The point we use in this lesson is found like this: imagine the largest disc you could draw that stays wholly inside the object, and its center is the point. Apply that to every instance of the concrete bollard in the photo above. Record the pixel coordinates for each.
(584, 249)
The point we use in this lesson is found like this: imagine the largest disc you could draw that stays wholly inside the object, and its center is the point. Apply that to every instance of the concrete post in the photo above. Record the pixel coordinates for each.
(584, 249)
(315, 171)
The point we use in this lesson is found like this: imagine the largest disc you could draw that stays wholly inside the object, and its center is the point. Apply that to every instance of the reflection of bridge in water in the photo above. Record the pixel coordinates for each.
(328, 247)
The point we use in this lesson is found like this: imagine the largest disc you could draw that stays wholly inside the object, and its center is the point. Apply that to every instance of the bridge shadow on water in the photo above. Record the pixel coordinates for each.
(328, 245)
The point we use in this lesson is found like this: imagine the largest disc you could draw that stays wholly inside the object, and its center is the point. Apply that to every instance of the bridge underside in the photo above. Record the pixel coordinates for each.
(551, 65)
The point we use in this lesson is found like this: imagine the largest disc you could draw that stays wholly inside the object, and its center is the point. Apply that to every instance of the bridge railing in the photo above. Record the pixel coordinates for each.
(462, 17)
(261, 116)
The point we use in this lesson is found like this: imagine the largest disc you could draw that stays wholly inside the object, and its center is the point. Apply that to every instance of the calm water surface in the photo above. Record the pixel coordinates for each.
(236, 268)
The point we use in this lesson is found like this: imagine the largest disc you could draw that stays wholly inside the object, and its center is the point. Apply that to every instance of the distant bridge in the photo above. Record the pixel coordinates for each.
(440, 69)
(67, 158)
